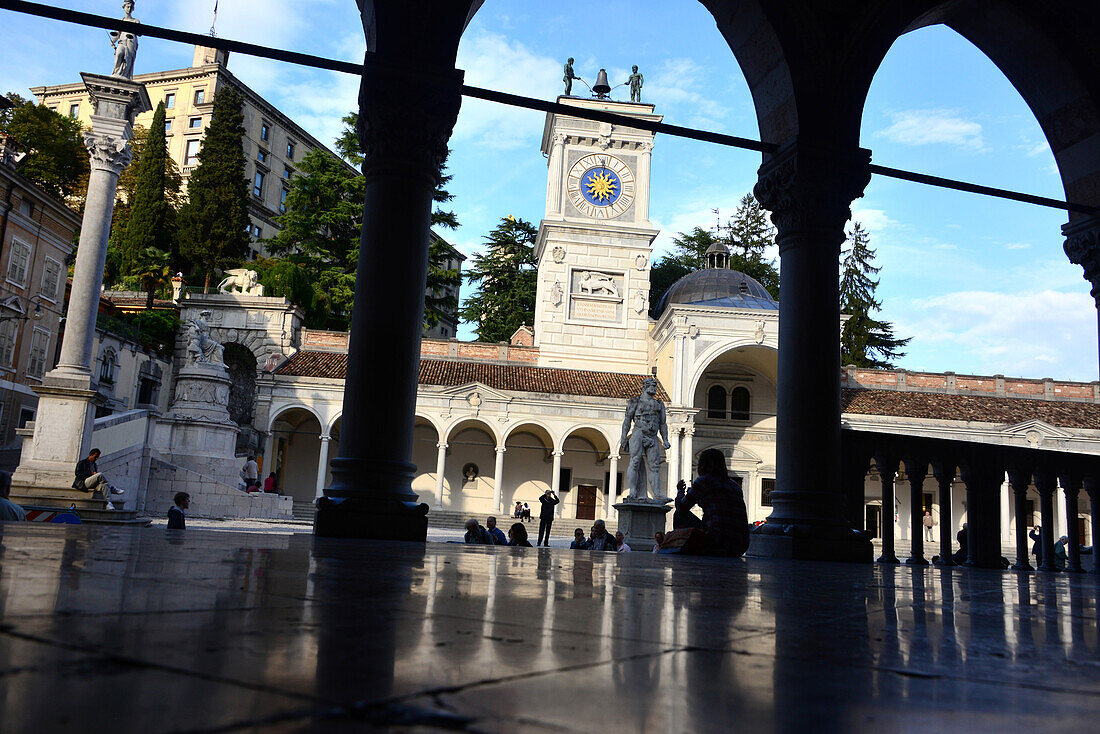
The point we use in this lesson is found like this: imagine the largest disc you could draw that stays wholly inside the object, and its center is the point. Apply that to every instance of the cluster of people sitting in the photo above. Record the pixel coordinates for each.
(722, 531)
(522, 511)
(250, 478)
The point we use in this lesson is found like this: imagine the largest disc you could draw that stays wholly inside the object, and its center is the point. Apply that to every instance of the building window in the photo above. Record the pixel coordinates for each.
(195, 123)
(290, 150)
(7, 342)
(26, 415)
(767, 486)
(53, 108)
(256, 231)
(282, 200)
(108, 366)
(17, 263)
(40, 342)
(170, 100)
(262, 154)
(148, 384)
(258, 185)
(74, 109)
(265, 132)
(739, 404)
(287, 173)
(200, 96)
(716, 402)
(51, 279)
(167, 126)
(191, 157)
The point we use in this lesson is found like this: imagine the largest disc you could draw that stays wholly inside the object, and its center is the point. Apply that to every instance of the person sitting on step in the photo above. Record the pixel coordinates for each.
(88, 478)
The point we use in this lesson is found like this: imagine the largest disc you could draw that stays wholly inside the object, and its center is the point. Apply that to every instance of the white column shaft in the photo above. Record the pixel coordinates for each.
(498, 479)
(673, 456)
(440, 468)
(555, 481)
(322, 466)
(612, 488)
(689, 456)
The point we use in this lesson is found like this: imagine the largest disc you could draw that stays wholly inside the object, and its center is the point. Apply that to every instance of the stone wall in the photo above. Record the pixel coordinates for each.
(209, 497)
(953, 384)
(313, 340)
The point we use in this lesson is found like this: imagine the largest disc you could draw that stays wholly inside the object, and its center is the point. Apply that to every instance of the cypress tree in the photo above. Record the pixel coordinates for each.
(865, 341)
(155, 187)
(214, 223)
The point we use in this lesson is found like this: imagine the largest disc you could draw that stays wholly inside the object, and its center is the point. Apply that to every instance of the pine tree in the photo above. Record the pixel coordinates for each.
(748, 234)
(865, 340)
(507, 275)
(155, 188)
(214, 223)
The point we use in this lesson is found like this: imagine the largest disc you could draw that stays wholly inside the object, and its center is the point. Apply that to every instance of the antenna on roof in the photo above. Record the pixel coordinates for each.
(214, 22)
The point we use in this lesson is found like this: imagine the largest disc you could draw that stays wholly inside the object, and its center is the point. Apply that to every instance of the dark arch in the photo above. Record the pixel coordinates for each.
(716, 402)
(740, 404)
(241, 364)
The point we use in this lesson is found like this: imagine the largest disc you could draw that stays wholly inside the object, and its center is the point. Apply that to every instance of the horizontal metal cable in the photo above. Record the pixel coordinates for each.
(515, 100)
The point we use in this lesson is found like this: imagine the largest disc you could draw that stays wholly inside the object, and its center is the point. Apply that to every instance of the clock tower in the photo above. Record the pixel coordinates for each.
(594, 244)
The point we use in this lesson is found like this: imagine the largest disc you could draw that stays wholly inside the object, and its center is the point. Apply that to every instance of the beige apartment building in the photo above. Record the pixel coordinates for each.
(273, 143)
(36, 237)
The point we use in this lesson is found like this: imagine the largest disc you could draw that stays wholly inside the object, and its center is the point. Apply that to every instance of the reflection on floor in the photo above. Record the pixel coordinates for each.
(119, 629)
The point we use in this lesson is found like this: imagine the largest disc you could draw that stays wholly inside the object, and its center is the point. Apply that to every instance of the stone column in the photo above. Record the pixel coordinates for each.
(1061, 521)
(553, 180)
(1020, 480)
(555, 481)
(409, 99)
(1044, 483)
(322, 465)
(1082, 246)
(612, 487)
(498, 479)
(688, 458)
(1092, 488)
(887, 467)
(673, 455)
(944, 472)
(440, 467)
(809, 193)
(68, 393)
(1071, 486)
(983, 511)
(916, 470)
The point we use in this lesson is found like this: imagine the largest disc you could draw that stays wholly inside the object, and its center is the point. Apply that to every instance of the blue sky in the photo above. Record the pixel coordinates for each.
(981, 285)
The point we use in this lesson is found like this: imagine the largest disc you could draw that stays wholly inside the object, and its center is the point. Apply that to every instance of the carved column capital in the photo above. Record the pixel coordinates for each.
(1083, 248)
(406, 119)
(810, 190)
(108, 152)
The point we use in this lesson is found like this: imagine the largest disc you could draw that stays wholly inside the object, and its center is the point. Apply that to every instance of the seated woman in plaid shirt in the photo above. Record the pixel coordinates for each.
(725, 523)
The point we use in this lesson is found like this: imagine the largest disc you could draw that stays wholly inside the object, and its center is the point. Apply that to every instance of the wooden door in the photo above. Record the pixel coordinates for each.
(586, 501)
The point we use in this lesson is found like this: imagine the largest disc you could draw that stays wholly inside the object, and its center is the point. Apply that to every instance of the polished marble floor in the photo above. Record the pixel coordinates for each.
(149, 630)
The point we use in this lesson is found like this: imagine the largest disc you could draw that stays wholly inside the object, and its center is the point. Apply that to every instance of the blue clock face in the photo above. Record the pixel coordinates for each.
(601, 186)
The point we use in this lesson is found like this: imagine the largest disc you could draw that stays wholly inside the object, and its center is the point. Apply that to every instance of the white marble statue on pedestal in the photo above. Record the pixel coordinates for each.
(201, 347)
(647, 413)
(125, 45)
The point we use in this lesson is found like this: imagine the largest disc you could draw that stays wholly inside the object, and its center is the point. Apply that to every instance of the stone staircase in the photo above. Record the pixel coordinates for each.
(304, 510)
(90, 510)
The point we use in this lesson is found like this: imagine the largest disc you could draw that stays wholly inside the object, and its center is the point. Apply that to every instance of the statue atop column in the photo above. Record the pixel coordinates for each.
(568, 76)
(647, 413)
(635, 81)
(201, 347)
(125, 45)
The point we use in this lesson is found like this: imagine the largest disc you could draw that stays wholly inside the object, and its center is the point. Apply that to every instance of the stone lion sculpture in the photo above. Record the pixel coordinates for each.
(246, 282)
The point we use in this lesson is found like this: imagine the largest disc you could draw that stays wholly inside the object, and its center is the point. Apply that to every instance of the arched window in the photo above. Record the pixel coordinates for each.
(109, 363)
(716, 402)
(739, 404)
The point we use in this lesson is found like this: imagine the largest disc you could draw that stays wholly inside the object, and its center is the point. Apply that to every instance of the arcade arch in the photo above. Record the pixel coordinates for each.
(295, 438)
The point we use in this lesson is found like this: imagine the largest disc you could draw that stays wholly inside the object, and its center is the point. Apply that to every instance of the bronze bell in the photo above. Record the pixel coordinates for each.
(601, 87)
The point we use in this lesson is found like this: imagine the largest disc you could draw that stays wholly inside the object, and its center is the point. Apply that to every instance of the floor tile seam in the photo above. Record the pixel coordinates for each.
(163, 667)
(142, 613)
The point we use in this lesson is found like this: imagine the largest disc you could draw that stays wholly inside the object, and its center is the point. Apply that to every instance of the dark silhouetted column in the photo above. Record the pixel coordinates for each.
(1019, 480)
(1092, 488)
(1044, 483)
(1083, 248)
(1071, 485)
(809, 193)
(983, 512)
(944, 472)
(916, 470)
(887, 467)
(409, 100)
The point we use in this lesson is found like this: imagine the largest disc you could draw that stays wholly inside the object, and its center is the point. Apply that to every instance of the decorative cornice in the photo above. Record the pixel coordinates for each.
(812, 189)
(406, 119)
(1083, 248)
(107, 152)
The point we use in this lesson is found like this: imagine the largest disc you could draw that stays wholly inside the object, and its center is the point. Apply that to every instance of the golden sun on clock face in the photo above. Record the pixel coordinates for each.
(600, 186)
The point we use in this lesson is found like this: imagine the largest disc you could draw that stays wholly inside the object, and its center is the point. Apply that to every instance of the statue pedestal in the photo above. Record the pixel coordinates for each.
(638, 521)
(197, 433)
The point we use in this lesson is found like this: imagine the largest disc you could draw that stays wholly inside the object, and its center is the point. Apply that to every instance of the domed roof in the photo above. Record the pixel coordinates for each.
(718, 287)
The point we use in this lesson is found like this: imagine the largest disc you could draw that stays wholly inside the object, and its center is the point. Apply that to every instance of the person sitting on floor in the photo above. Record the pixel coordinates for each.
(8, 509)
(475, 534)
(495, 534)
(517, 535)
(579, 541)
(600, 539)
(725, 523)
(658, 538)
(621, 540)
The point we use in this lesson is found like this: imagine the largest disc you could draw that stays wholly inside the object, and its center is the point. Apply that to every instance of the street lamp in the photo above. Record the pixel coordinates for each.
(36, 314)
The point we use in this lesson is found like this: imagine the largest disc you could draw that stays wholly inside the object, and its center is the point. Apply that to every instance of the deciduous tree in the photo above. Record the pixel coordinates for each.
(56, 157)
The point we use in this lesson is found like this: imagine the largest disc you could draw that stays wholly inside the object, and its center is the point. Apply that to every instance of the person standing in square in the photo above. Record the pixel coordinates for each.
(546, 516)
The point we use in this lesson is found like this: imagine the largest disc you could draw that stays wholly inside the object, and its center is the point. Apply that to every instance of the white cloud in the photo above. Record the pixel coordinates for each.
(873, 220)
(676, 90)
(1017, 245)
(945, 246)
(1031, 334)
(932, 127)
(495, 62)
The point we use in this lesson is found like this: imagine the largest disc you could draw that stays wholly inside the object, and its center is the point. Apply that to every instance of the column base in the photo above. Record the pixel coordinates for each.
(638, 522)
(891, 560)
(811, 543)
(1021, 567)
(916, 561)
(945, 563)
(371, 519)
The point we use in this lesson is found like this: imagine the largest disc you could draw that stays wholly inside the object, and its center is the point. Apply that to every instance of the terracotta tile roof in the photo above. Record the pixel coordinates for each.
(512, 377)
(977, 408)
